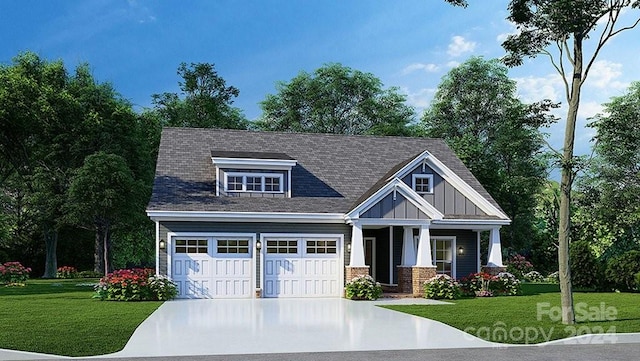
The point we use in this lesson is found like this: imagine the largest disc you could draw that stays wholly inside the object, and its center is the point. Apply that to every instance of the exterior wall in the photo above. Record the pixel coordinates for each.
(400, 208)
(445, 197)
(285, 178)
(258, 228)
(382, 252)
(466, 263)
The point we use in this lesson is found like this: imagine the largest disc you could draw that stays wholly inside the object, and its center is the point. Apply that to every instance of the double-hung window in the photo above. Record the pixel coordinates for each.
(254, 182)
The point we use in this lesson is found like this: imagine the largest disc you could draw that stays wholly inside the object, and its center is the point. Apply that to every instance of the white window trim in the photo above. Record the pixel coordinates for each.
(454, 254)
(422, 176)
(244, 176)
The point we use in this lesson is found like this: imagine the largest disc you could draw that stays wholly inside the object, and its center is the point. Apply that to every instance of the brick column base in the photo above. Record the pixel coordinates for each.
(353, 272)
(419, 275)
(493, 270)
(405, 276)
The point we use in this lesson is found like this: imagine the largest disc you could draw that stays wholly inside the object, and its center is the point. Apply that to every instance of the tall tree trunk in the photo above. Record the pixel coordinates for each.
(566, 183)
(98, 253)
(106, 246)
(51, 245)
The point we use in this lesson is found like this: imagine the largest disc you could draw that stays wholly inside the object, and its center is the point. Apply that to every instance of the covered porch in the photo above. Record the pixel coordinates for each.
(402, 254)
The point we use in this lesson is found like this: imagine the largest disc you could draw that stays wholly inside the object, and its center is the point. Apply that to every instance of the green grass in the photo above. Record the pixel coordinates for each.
(60, 317)
(488, 317)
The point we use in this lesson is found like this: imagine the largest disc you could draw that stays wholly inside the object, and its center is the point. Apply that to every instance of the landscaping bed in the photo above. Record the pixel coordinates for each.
(60, 317)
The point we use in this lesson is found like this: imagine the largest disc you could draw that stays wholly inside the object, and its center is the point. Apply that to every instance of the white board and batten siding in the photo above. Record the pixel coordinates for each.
(212, 265)
(302, 265)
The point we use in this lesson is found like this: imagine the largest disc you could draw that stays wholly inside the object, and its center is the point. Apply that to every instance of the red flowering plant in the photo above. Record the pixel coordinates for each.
(67, 272)
(477, 284)
(14, 274)
(138, 284)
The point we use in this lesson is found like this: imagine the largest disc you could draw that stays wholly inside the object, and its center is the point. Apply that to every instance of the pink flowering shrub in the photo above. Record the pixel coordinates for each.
(67, 272)
(14, 274)
(441, 287)
(519, 266)
(136, 284)
(477, 284)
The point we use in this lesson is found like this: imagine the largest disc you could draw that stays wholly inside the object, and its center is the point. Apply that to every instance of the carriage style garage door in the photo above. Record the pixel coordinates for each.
(212, 267)
(301, 266)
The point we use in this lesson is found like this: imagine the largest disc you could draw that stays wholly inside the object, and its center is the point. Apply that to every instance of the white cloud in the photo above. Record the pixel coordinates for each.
(453, 64)
(420, 99)
(603, 75)
(459, 46)
(534, 89)
(428, 68)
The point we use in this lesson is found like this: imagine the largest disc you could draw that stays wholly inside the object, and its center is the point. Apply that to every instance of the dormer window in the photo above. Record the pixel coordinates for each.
(253, 182)
(423, 183)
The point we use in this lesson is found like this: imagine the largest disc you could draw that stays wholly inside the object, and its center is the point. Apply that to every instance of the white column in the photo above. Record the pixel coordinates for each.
(495, 249)
(408, 248)
(424, 248)
(357, 246)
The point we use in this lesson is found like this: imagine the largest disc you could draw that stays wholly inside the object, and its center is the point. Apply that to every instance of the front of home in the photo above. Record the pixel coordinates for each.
(242, 214)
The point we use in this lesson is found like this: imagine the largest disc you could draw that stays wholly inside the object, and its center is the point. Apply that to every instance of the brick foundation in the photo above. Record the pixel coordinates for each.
(405, 276)
(419, 275)
(493, 270)
(353, 272)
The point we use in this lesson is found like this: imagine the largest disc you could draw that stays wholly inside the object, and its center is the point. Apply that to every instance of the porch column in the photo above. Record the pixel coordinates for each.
(424, 248)
(356, 267)
(408, 248)
(495, 249)
(356, 258)
(424, 268)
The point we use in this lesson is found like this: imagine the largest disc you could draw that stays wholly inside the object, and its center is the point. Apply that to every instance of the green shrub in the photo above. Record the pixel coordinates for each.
(553, 277)
(638, 280)
(363, 288)
(67, 272)
(519, 266)
(89, 274)
(505, 284)
(621, 271)
(533, 276)
(586, 271)
(135, 285)
(14, 274)
(441, 287)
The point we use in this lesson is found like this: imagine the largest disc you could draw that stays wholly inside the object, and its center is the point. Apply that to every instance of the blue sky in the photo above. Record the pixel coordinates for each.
(138, 45)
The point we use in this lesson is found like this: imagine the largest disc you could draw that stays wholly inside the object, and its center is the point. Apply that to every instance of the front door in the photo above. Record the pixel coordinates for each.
(370, 255)
(443, 255)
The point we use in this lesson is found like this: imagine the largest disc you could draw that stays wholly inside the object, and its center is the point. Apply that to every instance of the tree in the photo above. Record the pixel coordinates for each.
(560, 29)
(335, 99)
(609, 202)
(476, 111)
(206, 103)
(102, 193)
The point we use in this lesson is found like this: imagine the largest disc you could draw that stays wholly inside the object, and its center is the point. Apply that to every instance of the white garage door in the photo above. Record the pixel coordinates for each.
(302, 267)
(210, 267)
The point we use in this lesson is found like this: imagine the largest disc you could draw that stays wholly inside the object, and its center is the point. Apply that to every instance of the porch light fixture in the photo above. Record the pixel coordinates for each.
(162, 244)
(349, 247)
(258, 245)
(460, 251)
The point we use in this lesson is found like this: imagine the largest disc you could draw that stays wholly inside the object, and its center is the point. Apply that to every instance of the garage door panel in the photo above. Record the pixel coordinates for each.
(302, 274)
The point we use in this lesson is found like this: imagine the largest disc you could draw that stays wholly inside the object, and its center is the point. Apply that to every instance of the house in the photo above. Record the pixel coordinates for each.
(268, 214)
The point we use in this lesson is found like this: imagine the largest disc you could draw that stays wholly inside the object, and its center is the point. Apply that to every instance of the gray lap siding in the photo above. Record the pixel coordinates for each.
(257, 228)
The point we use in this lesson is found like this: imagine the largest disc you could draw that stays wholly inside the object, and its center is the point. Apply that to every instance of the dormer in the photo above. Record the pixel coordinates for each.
(252, 174)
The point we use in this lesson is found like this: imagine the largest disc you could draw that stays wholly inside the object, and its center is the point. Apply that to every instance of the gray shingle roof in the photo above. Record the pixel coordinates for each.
(334, 172)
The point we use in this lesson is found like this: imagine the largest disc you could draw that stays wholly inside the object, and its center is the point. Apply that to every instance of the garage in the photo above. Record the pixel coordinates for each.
(212, 267)
(302, 266)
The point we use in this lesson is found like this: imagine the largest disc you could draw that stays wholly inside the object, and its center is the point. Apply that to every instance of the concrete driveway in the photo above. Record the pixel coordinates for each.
(217, 327)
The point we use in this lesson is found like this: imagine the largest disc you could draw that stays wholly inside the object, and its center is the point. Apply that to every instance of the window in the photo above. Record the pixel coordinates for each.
(443, 256)
(191, 246)
(233, 246)
(423, 183)
(254, 182)
(321, 246)
(282, 246)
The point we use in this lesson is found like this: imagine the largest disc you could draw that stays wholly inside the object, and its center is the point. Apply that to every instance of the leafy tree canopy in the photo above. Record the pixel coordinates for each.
(206, 100)
(336, 99)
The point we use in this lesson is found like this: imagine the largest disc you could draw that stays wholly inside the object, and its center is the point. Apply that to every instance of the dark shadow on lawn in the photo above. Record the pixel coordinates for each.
(44, 287)
(530, 289)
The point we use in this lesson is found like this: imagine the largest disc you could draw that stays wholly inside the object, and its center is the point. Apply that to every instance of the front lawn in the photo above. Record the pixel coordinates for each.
(534, 317)
(60, 317)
